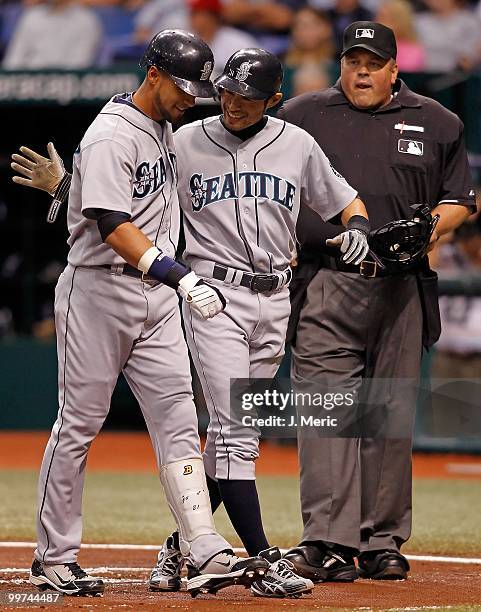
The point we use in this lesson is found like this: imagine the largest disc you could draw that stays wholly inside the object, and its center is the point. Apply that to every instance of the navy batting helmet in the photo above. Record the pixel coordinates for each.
(185, 57)
(253, 73)
(400, 245)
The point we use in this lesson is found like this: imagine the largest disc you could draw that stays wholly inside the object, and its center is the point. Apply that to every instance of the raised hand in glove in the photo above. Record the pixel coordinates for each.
(353, 242)
(37, 171)
(202, 298)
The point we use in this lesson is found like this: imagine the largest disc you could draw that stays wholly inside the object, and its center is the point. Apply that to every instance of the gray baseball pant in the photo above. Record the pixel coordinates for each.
(107, 324)
(356, 492)
(247, 340)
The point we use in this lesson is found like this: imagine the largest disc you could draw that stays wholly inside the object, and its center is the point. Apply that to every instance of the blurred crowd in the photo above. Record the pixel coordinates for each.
(458, 256)
(433, 35)
(438, 36)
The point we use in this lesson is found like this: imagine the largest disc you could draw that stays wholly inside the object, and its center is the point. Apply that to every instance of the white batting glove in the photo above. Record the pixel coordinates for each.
(202, 298)
(41, 172)
(353, 245)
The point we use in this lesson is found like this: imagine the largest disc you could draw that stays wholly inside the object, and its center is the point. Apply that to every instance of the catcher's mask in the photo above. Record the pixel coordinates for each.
(400, 245)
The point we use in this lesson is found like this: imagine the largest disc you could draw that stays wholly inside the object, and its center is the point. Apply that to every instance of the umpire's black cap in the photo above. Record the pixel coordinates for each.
(185, 57)
(253, 73)
(372, 36)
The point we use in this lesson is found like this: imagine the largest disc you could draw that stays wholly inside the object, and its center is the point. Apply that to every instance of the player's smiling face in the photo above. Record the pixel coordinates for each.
(367, 79)
(240, 112)
(169, 101)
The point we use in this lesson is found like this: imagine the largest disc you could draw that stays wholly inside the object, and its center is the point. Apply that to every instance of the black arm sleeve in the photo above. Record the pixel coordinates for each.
(108, 221)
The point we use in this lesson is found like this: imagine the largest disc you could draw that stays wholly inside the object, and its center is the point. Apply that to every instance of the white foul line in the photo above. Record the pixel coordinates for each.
(97, 570)
(107, 580)
(427, 558)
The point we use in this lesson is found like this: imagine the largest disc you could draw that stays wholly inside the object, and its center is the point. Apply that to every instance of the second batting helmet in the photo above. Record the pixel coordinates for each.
(253, 73)
(185, 57)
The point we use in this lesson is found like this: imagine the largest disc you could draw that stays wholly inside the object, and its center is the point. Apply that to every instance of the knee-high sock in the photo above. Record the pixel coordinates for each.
(242, 505)
(214, 493)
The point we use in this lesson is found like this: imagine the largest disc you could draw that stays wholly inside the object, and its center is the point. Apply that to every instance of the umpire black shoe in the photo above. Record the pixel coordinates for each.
(224, 570)
(322, 564)
(66, 578)
(383, 565)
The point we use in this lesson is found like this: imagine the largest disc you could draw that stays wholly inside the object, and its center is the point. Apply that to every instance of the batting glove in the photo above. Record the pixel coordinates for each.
(202, 298)
(40, 172)
(353, 245)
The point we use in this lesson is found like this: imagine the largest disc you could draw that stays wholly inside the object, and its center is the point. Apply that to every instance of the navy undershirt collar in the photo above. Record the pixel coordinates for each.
(247, 132)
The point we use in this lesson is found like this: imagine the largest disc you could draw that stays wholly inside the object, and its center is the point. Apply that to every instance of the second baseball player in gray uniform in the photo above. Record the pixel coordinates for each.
(113, 316)
(240, 194)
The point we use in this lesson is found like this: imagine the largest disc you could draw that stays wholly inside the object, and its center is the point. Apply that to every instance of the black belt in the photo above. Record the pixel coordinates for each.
(368, 269)
(260, 283)
(129, 270)
(371, 269)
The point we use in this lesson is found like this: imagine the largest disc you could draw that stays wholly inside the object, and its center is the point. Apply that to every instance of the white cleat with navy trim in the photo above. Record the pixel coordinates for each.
(280, 580)
(66, 578)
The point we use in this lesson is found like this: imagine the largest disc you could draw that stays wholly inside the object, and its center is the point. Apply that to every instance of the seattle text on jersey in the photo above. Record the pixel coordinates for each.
(250, 185)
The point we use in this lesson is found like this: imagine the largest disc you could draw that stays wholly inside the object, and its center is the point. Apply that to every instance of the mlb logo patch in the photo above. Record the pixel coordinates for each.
(411, 147)
(364, 33)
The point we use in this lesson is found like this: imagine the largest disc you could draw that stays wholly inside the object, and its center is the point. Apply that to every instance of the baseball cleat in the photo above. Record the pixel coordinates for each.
(280, 580)
(383, 565)
(166, 574)
(223, 570)
(66, 578)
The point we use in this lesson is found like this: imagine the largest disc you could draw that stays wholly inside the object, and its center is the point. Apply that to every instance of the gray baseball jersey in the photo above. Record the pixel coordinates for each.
(241, 199)
(129, 161)
(108, 322)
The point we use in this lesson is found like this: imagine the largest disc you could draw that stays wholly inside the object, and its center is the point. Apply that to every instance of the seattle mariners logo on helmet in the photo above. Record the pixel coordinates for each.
(243, 71)
(253, 73)
(206, 71)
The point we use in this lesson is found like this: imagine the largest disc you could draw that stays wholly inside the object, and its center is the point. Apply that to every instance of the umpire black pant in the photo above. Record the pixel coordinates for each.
(357, 491)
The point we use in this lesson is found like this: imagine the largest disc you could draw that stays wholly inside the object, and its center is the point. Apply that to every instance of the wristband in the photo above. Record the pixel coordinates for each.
(59, 197)
(147, 259)
(167, 271)
(358, 222)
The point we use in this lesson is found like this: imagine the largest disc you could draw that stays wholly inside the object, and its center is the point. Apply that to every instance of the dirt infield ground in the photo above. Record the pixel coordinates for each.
(430, 584)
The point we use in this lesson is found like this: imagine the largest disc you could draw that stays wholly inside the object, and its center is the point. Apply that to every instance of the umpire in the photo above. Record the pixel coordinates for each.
(361, 322)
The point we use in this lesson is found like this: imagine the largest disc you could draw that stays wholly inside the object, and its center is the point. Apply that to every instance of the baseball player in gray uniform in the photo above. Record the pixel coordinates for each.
(115, 310)
(240, 194)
